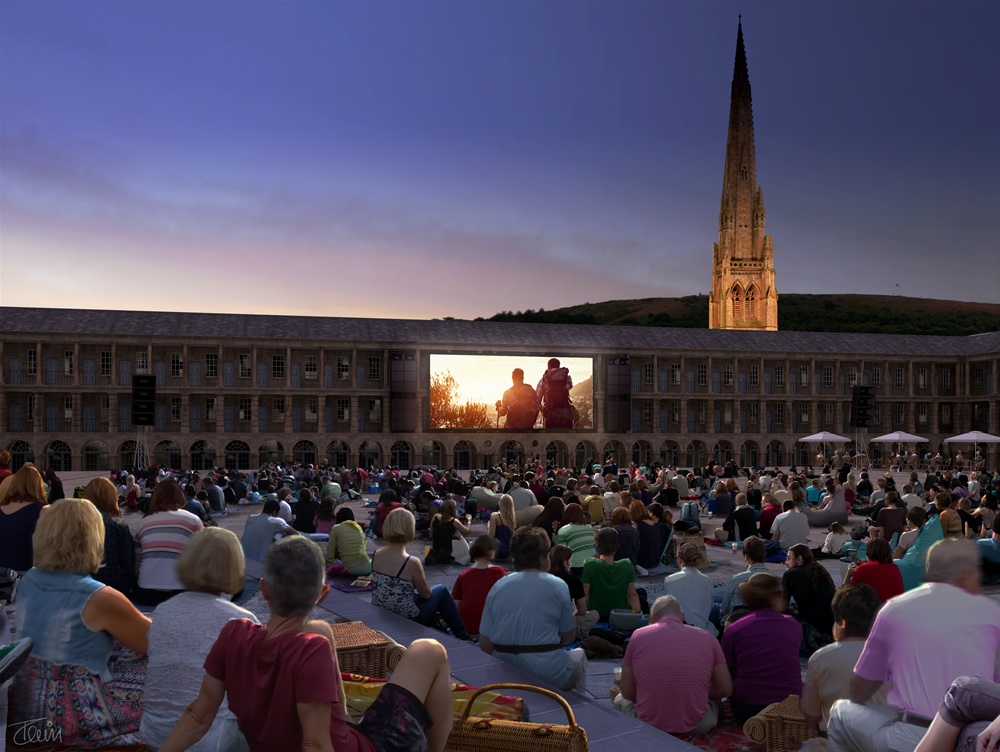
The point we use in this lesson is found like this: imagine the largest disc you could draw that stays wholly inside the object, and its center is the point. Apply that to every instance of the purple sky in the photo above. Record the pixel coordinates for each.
(430, 159)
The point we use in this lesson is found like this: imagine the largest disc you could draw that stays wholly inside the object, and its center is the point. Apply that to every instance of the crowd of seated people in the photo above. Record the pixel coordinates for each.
(191, 567)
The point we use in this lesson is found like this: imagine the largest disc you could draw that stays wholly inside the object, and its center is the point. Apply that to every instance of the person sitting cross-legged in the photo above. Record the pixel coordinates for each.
(670, 648)
(609, 584)
(754, 552)
(528, 616)
(283, 684)
(693, 590)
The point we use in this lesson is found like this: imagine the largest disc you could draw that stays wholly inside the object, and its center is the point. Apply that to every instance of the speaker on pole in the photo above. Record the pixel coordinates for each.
(143, 400)
(862, 406)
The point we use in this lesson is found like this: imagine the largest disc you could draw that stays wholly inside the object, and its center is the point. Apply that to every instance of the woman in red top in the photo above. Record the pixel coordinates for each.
(474, 584)
(387, 502)
(771, 510)
(880, 571)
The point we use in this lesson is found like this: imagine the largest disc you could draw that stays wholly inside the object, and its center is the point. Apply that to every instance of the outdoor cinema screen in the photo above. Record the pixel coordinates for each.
(511, 392)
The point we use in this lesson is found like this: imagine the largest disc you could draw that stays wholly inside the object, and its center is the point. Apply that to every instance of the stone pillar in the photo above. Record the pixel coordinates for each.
(112, 425)
(40, 405)
(185, 410)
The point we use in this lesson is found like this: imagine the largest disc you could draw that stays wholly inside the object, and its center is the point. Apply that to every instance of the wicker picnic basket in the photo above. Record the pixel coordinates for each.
(785, 726)
(360, 650)
(491, 735)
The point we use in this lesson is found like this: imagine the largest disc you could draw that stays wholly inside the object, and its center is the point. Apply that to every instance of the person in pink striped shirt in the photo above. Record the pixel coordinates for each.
(162, 536)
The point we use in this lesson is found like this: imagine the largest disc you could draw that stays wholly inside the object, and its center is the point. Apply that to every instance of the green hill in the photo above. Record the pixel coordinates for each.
(883, 314)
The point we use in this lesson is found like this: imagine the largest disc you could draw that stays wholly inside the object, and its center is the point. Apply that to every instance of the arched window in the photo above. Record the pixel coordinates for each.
(168, 454)
(737, 298)
(751, 303)
(400, 455)
(271, 451)
(202, 456)
(370, 454)
(59, 456)
(20, 452)
(463, 455)
(95, 456)
(238, 455)
(304, 452)
(338, 454)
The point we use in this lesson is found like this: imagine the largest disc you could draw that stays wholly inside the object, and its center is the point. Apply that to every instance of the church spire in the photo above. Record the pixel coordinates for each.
(743, 293)
(740, 176)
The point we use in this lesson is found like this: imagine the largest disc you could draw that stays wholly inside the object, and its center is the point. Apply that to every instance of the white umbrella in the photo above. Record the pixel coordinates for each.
(898, 437)
(822, 437)
(975, 438)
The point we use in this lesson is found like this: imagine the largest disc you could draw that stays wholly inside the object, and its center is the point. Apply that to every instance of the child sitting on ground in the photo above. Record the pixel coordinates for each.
(473, 585)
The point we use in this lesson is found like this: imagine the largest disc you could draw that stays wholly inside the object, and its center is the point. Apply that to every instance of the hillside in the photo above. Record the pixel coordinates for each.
(883, 314)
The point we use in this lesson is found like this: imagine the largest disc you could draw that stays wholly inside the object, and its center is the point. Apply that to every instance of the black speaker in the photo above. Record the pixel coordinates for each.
(143, 400)
(862, 406)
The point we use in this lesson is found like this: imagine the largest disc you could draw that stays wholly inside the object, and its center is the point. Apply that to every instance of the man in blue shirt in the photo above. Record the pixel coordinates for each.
(989, 551)
(528, 616)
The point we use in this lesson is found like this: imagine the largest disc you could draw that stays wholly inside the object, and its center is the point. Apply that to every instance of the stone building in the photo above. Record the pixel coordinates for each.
(743, 294)
(238, 389)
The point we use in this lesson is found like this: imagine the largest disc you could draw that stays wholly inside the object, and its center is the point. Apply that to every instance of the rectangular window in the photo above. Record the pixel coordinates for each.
(977, 377)
(921, 378)
(105, 408)
(32, 362)
(312, 409)
(175, 408)
(946, 378)
(754, 375)
(727, 413)
(279, 408)
(212, 365)
(877, 378)
(779, 414)
(852, 376)
(312, 366)
(803, 412)
(727, 374)
(246, 408)
(900, 414)
(375, 368)
(921, 413)
(647, 412)
(374, 411)
(675, 412)
(803, 375)
(105, 362)
(246, 366)
(68, 408)
(827, 376)
(828, 412)
(31, 409)
(647, 374)
(754, 412)
(176, 365)
(701, 412)
(68, 362)
(210, 409)
(277, 366)
(877, 414)
(900, 378)
(343, 367)
(702, 374)
(343, 410)
(945, 414)
(141, 362)
(779, 375)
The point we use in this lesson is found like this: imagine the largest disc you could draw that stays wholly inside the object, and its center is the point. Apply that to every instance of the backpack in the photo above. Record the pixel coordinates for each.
(523, 411)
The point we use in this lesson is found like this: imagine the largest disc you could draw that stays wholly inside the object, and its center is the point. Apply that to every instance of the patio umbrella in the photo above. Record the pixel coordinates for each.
(822, 438)
(975, 438)
(898, 438)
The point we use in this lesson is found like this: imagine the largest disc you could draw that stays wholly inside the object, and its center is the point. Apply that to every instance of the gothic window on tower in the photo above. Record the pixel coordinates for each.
(737, 297)
(751, 303)
(744, 173)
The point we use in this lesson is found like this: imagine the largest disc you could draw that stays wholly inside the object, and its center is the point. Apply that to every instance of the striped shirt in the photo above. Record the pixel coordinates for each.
(580, 538)
(162, 537)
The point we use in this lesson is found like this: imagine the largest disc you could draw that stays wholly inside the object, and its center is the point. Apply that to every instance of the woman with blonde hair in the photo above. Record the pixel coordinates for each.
(19, 513)
(73, 681)
(400, 581)
(132, 492)
(184, 629)
(118, 566)
(501, 527)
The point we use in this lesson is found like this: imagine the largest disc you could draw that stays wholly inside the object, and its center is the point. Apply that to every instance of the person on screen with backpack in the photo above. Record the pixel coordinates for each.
(553, 394)
(519, 403)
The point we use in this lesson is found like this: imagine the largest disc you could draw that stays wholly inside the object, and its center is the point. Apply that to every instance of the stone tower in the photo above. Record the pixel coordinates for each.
(743, 294)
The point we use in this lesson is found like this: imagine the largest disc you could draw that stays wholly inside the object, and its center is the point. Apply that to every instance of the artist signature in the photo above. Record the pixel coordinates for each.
(36, 731)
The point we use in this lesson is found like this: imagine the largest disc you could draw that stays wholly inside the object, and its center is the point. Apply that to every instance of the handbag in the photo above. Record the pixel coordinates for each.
(490, 734)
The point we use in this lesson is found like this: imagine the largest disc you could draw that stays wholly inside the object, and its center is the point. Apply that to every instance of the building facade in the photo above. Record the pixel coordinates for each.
(743, 293)
(236, 390)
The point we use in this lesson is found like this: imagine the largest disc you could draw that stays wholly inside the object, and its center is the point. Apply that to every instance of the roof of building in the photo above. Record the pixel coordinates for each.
(551, 337)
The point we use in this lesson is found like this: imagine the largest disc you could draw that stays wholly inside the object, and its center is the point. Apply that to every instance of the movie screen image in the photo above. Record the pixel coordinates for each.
(518, 393)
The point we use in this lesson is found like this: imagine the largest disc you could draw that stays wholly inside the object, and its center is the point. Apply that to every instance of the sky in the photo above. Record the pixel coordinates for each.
(424, 159)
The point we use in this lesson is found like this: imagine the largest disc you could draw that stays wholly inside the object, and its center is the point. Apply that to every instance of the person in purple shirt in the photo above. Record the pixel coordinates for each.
(762, 649)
